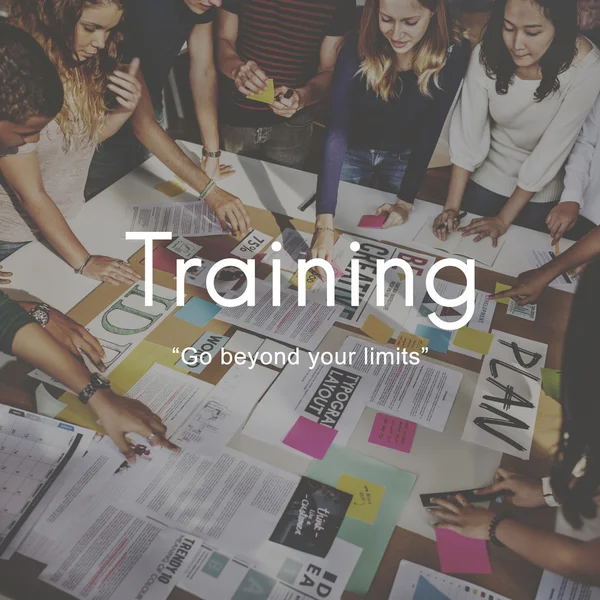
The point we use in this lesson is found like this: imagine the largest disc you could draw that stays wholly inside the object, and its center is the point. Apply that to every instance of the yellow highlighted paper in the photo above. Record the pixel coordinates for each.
(366, 497)
(267, 96)
(411, 343)
(377, 330)
(311, 279)
(473, 340)
(170, 188)
(500, 287)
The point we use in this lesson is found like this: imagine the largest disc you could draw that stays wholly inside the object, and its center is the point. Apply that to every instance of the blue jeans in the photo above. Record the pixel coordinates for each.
(8, 248)
(377, 169)
(481, 201)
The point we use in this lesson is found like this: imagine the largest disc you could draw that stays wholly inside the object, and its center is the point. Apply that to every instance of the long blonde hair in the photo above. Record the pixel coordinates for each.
(378, 59)
(52, 23)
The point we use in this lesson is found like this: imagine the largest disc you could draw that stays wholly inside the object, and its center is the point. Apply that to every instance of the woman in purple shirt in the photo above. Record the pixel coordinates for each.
(392, 90)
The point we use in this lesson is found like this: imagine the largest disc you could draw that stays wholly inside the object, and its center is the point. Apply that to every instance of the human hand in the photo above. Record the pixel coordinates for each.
(216, 171)
(120, 415)
(525, 492)
(528, 288)
(561, 219)
(397, 214)
(126, 86)
(230, 211)
(4, 277)
(321, 246)
(250, 79)
(110, 270)
(445, 223)
(463, 518)
(483, 227)
(287, 102)
(75, 338)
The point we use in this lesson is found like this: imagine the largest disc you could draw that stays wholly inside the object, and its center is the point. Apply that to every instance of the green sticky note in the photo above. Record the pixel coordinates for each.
(551, 383)
(373, 537)
(474, 340)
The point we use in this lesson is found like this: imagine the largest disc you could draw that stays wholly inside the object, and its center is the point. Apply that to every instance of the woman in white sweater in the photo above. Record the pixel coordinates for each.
(528, 89)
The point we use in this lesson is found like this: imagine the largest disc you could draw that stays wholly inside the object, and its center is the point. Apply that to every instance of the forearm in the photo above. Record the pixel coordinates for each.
(514, 205)
(324, 221)
(315, 90)
(228, 58)
(586, 249)
(458, 183)
(562, 555)
(205, 93)
(114, 122)
(55, 229)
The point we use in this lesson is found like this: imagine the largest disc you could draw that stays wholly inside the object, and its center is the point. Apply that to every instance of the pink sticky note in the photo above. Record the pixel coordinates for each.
(393, 432)
(310, 437)
(336, 270)
(459, 554)
(164, 260)
(372, 221)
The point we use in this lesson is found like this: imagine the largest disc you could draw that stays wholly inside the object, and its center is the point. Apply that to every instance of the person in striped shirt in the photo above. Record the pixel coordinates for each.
(295, 43)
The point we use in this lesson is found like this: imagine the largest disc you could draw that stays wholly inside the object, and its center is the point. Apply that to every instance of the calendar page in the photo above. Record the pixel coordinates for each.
(33, 452)
(414, 582)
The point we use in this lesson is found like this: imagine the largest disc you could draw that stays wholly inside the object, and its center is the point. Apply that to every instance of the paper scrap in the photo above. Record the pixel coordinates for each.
(393, 432)
(527, 312)
(473, 340)
(366, 497)
(551, 383)
(198, 311)
(439, 339)
(411, 343)
(170, 188)
(310, 437)
(377, 330)
(267, 95)
(184, 248)
(459, 554)
(244, 342)
(500, 287)
(372, 221)
(207, 346)
(252, 244)
(427, 591)
(311, 279)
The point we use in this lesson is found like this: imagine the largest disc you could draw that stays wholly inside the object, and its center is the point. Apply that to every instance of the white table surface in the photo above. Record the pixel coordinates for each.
(441, 460)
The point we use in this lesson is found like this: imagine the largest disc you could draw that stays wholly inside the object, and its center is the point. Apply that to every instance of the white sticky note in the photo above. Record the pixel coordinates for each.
(252, 244)
(244, 342)
(184, 248)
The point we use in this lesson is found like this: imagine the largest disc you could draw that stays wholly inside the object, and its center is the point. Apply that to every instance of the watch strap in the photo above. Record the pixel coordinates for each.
(96, 383)
(549, 496)
(41, 313)
(208, 154)
(492, 530)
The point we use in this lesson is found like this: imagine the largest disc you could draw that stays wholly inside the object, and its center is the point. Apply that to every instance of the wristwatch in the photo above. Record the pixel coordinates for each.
(96, 383)
(208, 154)
(41, 313)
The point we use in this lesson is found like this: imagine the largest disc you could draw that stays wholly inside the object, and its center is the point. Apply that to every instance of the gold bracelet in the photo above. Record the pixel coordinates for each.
(324, 229)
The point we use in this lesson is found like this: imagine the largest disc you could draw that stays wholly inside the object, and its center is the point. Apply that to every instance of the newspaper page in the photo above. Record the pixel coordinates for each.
(557, 587)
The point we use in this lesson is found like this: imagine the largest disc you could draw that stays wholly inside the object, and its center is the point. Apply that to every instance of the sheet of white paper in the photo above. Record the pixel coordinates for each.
(295, 245)
(46, 403)
(302, 326)
(193, 219)
(184, 247)
(252, 244)
(409, 574)
(34, 450)
(208, 430)
(279, 352)
(122, 555)
(556, 587)
(215, 575)
(330, 395)
(241, 341)
(232, 501)
(456, 244)
(538, 258)
(173, 396)
(527, 312)
(506, 400)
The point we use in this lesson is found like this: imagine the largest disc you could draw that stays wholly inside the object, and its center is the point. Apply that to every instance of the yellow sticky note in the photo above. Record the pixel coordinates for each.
(366, 497)
(267, 96)
(411, 343)
(500, 287)
(170, 188)
(377, 330)
(474, 340)
(311, 279)
(134, 367)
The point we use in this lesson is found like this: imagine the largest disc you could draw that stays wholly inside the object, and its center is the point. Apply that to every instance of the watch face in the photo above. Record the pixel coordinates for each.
(41, 316)
(100, 381)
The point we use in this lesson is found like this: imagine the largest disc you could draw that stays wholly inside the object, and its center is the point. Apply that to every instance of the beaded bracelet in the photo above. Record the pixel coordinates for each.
(324, 229)
(492, 530)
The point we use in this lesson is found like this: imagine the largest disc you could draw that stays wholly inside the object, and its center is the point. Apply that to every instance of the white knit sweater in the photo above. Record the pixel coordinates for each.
(510, 140)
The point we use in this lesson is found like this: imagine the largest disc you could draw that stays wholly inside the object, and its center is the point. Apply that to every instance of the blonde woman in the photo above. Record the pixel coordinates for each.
(393, 87)
(42, 183)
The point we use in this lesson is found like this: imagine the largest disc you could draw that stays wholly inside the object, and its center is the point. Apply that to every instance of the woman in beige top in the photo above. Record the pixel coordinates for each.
(43, 183)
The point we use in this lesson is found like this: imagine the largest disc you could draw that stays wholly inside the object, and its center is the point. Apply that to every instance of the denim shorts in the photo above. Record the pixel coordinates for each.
(8, 248)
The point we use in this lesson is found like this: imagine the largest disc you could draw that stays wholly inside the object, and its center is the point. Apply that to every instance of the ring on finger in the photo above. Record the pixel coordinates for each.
(151, 437)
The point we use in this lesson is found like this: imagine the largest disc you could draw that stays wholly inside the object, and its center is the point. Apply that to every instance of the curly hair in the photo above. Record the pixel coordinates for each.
(499, 64)
(30, 84)
(378, 64)
(580, 441)
(52, 23)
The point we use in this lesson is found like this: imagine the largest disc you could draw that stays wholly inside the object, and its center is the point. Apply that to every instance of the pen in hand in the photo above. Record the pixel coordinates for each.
(456, 221)
(287, 95)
